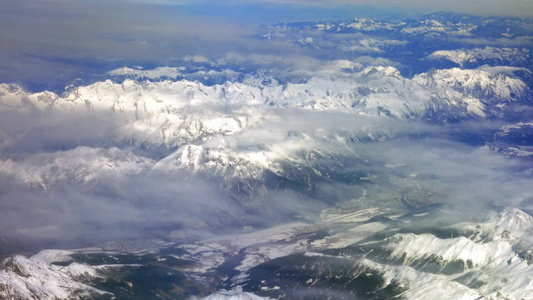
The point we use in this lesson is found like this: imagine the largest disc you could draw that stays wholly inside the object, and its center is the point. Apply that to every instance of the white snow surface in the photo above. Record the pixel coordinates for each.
(498, 55)
(384, 87)
(36, 278)
(410, 247)
(421, 285)
(230, 295)
(493, 270)
(81, 165)
(166, 72)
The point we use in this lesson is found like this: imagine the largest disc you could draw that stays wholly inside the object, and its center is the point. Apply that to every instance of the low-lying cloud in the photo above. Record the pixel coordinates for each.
(360, 155)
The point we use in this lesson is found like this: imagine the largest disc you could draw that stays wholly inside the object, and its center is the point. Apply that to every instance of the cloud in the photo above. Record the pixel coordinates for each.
(320, 159)
(114, 208)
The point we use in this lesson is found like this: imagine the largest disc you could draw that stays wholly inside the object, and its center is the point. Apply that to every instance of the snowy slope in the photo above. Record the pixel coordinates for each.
(467, 268)
(514, 140)
(226, 295)
(372, 90)
(417, 266)
(36, 278)
(488, 261)
(487, 55)
(82, 165)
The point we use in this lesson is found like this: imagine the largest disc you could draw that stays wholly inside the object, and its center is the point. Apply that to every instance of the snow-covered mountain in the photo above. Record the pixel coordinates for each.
(170, 127)
(410, 266)
(418, 266)
(170, 114)
(487, 55)
(81, 165)
(514, 140)
(375, 159)
(225, 295)
(35, 277)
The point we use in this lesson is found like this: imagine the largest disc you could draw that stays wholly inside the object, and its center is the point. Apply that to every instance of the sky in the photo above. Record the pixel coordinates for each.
(313, 9)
